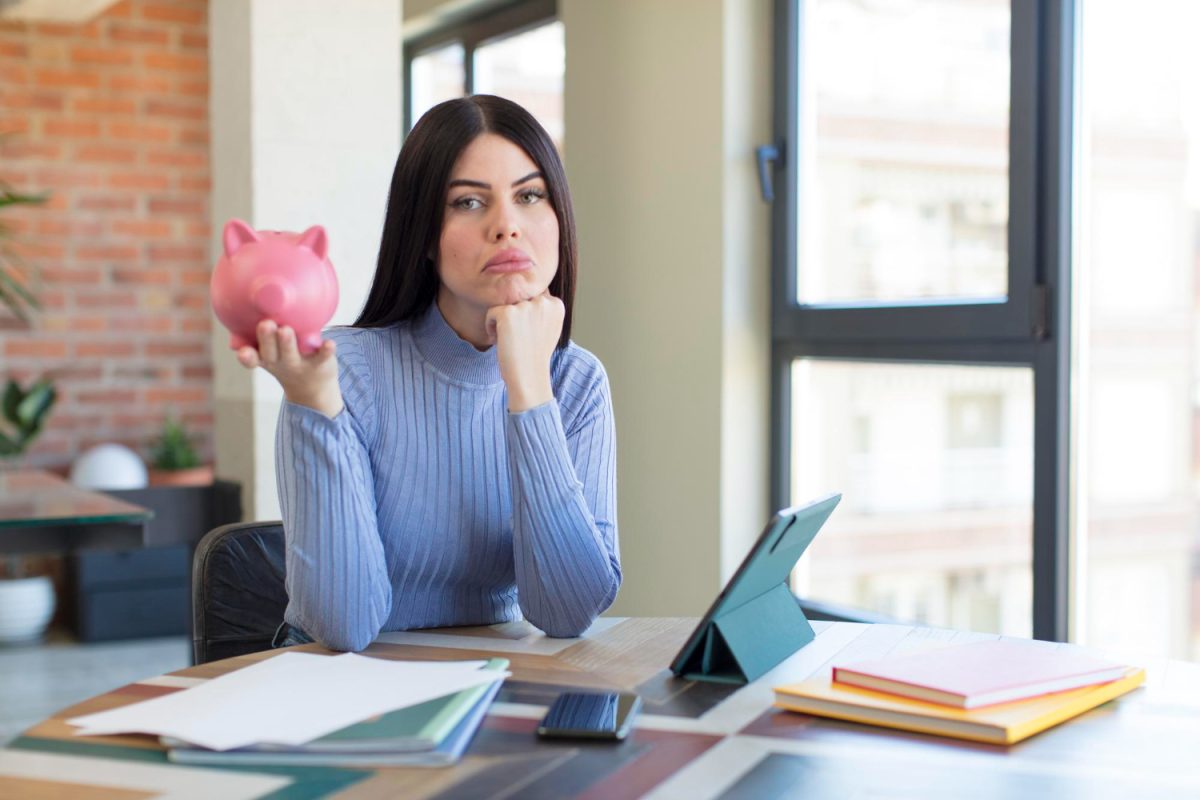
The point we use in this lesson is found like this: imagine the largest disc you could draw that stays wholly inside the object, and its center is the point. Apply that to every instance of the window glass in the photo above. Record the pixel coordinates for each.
(527, 68)
(935, 464)
(437, 75)
(904, 173)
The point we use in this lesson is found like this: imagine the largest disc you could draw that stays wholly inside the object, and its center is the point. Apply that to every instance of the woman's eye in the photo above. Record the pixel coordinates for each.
(531, 196)
(467, 203)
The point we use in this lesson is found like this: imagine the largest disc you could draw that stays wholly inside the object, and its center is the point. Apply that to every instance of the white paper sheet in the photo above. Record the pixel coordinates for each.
(291, 698)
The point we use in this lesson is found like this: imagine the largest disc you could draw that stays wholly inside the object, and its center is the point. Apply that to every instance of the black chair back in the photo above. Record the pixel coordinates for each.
(238, 593)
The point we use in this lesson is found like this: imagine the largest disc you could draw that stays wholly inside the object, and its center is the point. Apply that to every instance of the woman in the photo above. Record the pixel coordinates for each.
(449, 459)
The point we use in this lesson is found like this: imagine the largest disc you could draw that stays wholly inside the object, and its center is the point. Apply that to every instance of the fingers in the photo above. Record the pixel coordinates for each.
(247, 357)
(268, 348)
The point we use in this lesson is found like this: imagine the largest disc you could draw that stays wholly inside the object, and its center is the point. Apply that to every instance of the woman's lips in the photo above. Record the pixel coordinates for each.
(511, 260)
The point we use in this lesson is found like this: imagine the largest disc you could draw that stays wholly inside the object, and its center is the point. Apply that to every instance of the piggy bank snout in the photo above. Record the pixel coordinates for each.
(270, 294)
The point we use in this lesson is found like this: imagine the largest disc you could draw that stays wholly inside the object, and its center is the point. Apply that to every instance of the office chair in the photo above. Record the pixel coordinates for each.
(238, 594)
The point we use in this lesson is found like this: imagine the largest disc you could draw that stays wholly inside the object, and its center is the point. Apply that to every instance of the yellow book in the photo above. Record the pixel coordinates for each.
(1005, 723)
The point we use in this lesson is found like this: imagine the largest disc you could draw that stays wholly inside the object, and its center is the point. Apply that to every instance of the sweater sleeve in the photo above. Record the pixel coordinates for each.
(337, 579)
(566, 556)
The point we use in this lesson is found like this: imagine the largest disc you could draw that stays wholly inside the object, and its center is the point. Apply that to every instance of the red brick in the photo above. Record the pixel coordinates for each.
(193, 88)
(195, 277)
(34, 348)
(177, 158)
(195, 184)
(88, 276)
(91, 30)
(176, 252)
(193, 40)
(101, 55)
(106, 252)
(106, 154)
(111, 348)
(32, 101)
(154, 182)
(105, 298)
(74, 128)
(14, 74)
(121, 10)
(170, 12)
(99, 105)
(14, 126)
(105, 202)
(139, 132)
(190, 347)
(197, 325)
(67, 178)
(17, 150)
(160, 395)
(114, 397)
(138, 34)
(142, 277)
(13, 49)
(189, 204)
(144, 229)
(67, 79)
(194, 136)
(197, 372)
(172, 62)
(174, 109)
(139, 83)
(144, 323)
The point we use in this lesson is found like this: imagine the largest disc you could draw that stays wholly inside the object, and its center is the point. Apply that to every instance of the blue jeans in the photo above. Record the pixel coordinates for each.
(287, 635)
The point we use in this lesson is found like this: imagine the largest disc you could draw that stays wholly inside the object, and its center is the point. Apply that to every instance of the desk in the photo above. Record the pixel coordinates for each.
(42, 513)
(692, 741)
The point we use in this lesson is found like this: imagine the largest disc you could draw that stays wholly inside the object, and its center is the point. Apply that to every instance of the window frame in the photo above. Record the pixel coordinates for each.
(473, 32)
(1031, 327)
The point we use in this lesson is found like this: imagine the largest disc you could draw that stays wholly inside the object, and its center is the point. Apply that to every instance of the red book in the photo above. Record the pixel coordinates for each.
(980, 673)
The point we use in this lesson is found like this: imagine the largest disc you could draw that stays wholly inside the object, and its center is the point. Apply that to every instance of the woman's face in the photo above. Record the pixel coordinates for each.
(499, 242)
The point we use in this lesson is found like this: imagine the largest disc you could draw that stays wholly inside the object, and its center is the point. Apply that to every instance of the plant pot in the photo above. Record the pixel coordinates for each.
(194, 476)
(26, 606)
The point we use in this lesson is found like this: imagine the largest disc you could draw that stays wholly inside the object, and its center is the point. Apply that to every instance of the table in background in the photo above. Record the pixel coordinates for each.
(693, 740)
(42, 513)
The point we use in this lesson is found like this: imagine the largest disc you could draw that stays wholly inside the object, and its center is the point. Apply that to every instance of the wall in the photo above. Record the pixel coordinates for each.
(111, 117)
(663, 111)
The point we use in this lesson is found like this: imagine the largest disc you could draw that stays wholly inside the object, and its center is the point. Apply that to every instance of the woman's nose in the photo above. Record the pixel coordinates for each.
(505, 225)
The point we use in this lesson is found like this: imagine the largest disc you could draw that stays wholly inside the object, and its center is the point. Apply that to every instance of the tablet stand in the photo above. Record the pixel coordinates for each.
(744, 643)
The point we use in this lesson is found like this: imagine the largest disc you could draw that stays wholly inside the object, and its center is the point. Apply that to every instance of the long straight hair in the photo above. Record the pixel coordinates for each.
(406, 279)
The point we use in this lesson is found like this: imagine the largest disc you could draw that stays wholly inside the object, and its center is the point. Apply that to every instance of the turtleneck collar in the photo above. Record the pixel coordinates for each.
(450, 354)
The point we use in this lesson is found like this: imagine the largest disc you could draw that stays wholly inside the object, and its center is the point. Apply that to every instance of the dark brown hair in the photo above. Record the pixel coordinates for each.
(406, 280)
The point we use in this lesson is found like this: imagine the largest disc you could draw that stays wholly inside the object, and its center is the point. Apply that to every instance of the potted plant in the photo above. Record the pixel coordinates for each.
(174, 461)
(15, 292)
(22, 414)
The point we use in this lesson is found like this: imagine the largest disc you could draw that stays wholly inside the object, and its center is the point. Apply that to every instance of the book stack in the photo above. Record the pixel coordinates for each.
(998, 691)
(431, 734)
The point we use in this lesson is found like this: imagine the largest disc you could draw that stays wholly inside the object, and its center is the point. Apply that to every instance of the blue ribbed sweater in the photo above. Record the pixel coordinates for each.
(425, 503)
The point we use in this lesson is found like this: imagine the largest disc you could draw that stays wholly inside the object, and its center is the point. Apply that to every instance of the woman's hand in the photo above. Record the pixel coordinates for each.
(525, 335)
(310, 380)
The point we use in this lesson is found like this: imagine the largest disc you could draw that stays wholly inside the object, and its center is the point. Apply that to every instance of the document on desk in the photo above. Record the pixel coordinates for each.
(289, 699)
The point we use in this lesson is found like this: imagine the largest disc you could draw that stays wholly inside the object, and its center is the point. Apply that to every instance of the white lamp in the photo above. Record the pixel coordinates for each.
(109, 466)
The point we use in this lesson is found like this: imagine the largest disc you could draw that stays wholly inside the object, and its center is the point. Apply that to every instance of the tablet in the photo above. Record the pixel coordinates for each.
(756, 621)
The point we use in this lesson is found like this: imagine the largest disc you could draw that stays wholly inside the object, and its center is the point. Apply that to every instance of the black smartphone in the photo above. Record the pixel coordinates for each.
(590, 715)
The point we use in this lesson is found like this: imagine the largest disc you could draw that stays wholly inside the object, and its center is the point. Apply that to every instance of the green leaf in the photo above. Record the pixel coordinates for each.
(12, 398)
(33, 408)
(8, 447)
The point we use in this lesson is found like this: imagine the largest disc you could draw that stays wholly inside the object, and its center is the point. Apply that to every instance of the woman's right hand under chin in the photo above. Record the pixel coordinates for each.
(310, 380)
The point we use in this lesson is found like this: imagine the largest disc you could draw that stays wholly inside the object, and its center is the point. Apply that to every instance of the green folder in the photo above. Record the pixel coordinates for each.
(419, 727)
(756, 622)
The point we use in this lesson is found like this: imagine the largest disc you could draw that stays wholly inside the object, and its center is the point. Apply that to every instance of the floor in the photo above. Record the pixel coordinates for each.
(40, 679)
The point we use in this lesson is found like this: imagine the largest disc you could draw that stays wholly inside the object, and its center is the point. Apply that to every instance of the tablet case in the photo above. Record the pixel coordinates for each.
(757, 622)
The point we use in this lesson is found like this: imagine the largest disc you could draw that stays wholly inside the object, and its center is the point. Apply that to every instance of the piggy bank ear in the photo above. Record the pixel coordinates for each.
(314, 239)
(237, 235)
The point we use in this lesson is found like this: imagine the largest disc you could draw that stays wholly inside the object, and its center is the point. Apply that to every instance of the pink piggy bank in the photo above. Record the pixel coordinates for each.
(274, 275)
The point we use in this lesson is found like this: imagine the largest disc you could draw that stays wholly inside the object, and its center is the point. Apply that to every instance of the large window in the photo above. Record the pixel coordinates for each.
(987, 247)
(919, 316)
(1138, 362)
(515, 52)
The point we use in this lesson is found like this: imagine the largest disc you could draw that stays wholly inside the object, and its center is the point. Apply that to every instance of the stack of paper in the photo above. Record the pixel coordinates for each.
(998, 691)
(305, 708)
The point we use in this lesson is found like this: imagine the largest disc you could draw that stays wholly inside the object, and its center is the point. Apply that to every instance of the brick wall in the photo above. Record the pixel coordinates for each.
(111, 118)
